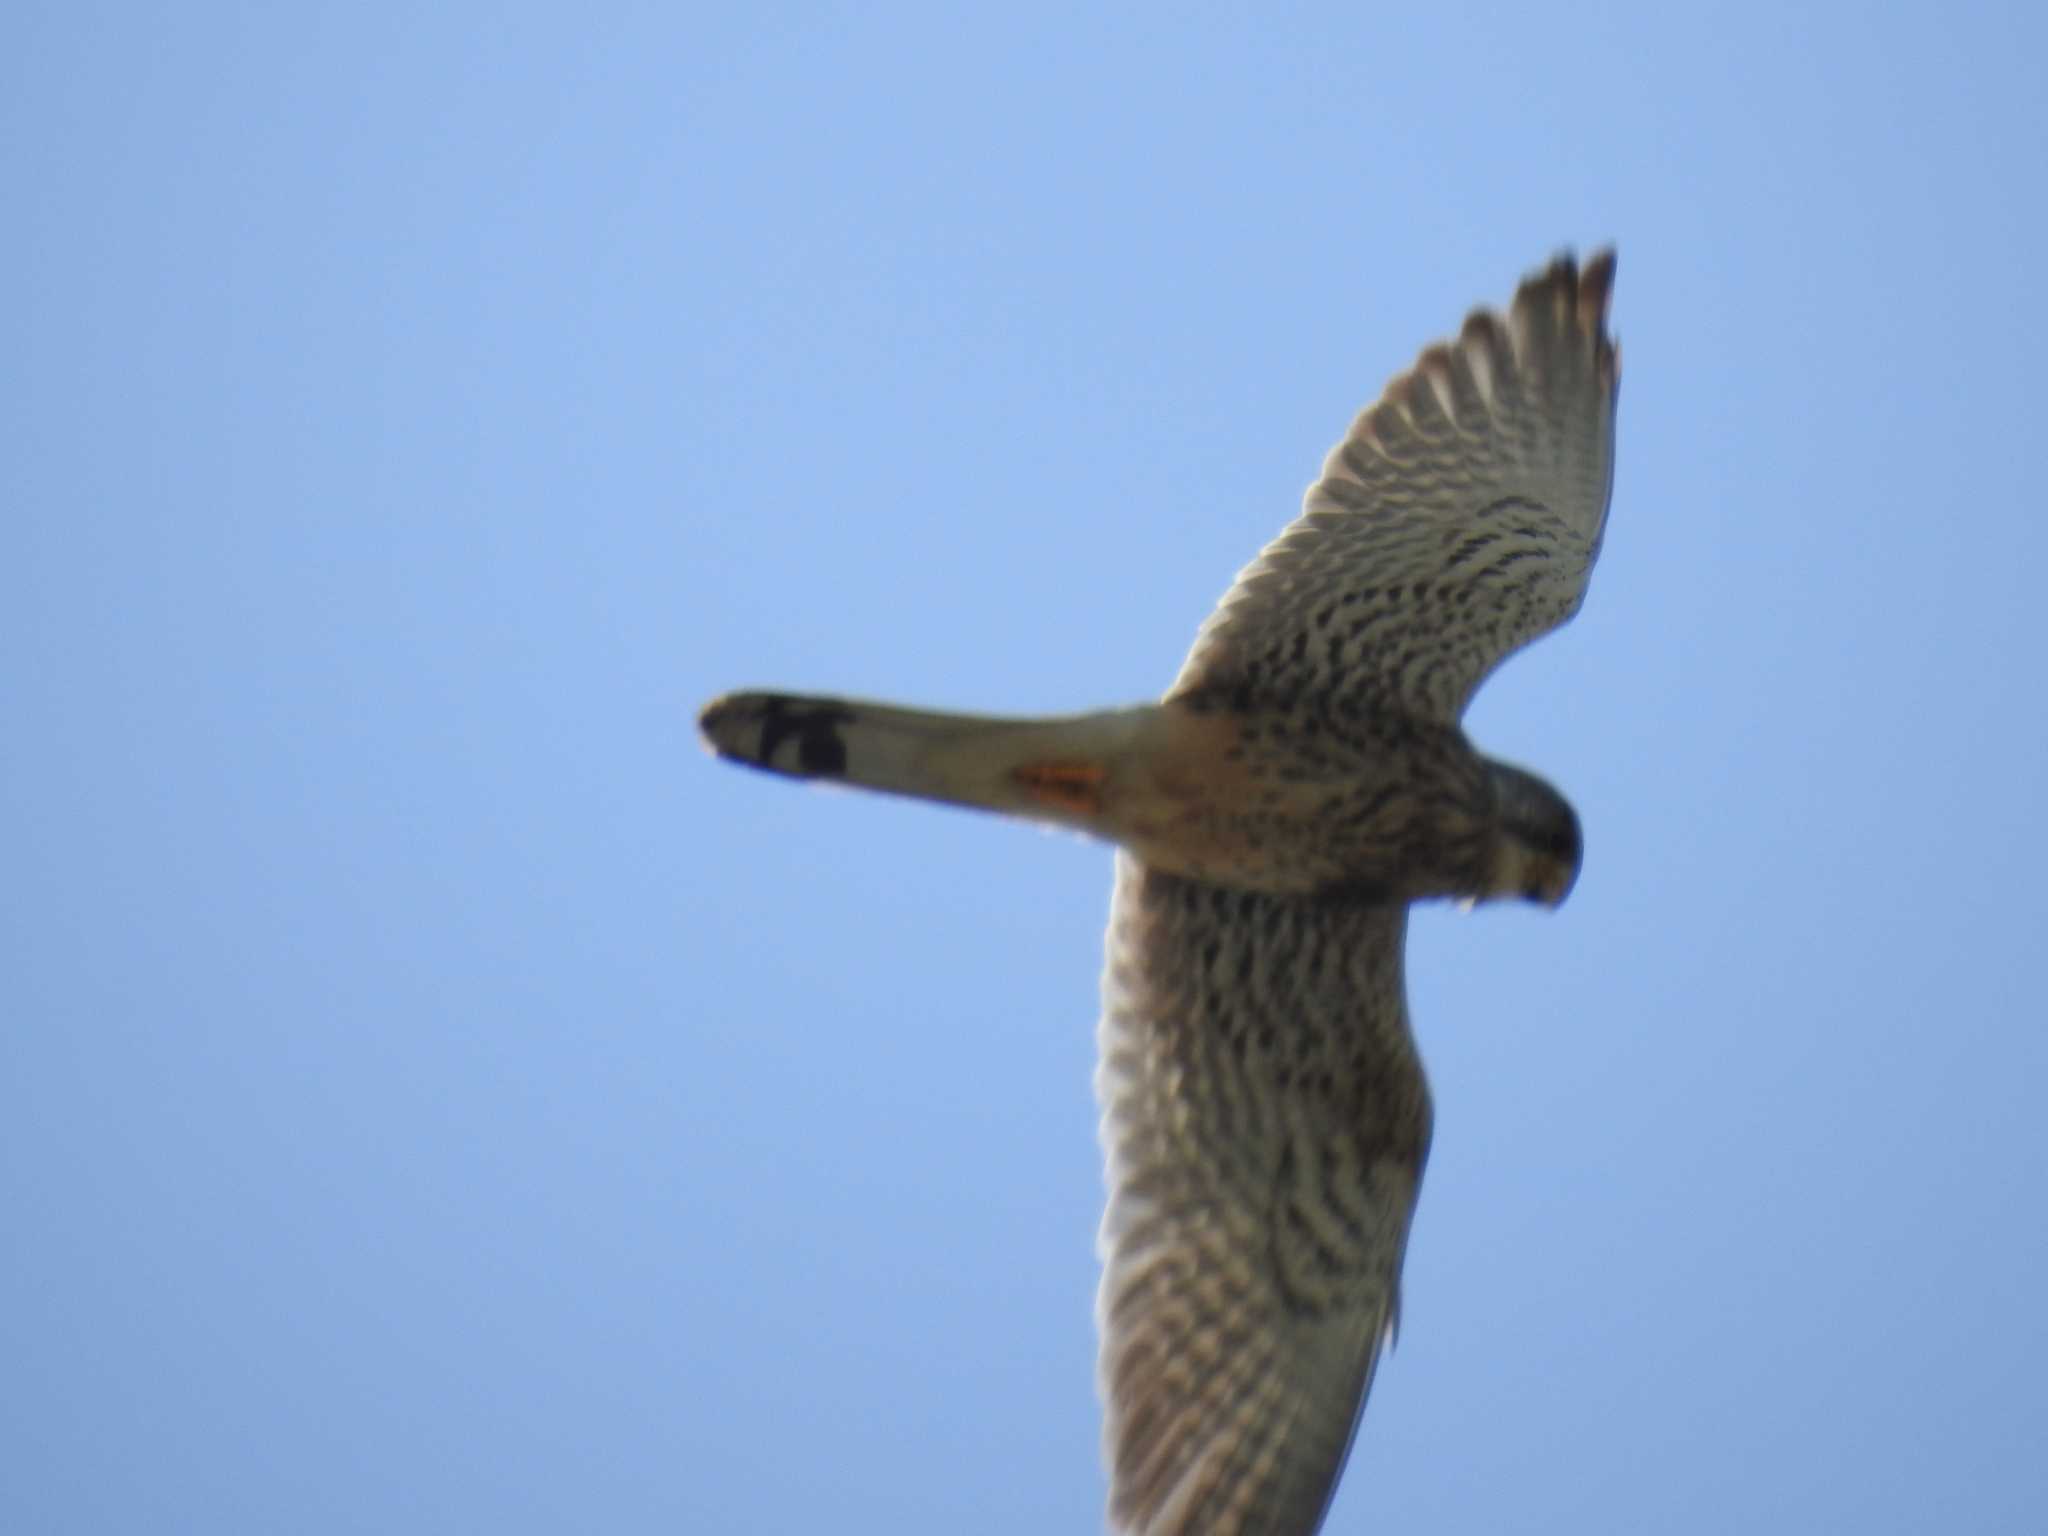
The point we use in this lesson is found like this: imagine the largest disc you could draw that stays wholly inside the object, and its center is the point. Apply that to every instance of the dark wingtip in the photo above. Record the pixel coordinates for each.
(1578, 286)
(1569, 294)
(1596, 287)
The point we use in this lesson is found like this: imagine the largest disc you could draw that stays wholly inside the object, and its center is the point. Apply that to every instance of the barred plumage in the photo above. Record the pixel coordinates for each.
(1264, 1123)
(1265, 1116)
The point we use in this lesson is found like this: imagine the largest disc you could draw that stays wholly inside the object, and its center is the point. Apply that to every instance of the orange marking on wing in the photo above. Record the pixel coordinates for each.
(1068, 785)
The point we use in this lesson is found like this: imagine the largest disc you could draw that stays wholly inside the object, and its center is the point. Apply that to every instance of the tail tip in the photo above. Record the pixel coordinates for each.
(777, 731)
(722, 723)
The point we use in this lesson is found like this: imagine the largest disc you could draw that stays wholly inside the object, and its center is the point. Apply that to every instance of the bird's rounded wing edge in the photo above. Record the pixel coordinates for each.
(1264, 1124)
(1458, 520)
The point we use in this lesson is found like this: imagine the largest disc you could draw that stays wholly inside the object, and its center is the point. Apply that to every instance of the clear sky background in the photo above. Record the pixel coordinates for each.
(436, 1096)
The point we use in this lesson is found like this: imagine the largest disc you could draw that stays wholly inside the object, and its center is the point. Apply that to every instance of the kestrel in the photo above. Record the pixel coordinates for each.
(1264, 1112)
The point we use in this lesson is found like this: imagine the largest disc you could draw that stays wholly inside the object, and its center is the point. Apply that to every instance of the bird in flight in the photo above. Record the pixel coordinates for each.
(1264, 1112)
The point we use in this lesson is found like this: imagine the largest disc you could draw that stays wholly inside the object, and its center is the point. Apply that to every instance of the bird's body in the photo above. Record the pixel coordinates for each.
(1265, 1115)
(1263, 798)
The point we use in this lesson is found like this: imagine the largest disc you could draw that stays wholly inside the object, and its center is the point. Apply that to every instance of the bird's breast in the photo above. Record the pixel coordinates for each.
(1293, 801)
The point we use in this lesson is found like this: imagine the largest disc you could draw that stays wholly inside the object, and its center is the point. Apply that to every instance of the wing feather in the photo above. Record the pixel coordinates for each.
(1265, 1121)
(1458, 520)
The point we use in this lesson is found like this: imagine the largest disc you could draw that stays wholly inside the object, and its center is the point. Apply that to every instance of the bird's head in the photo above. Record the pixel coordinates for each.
(1537, 850)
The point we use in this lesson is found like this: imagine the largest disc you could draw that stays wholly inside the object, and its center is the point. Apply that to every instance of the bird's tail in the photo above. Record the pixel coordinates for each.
(1054, 769)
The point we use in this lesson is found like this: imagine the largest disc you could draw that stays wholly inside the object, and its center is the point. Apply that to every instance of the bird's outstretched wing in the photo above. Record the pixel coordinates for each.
(1265, 1121)
(1456, 522)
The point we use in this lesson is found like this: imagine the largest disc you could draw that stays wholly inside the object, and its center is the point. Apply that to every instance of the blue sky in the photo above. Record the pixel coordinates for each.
(434, 1095)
